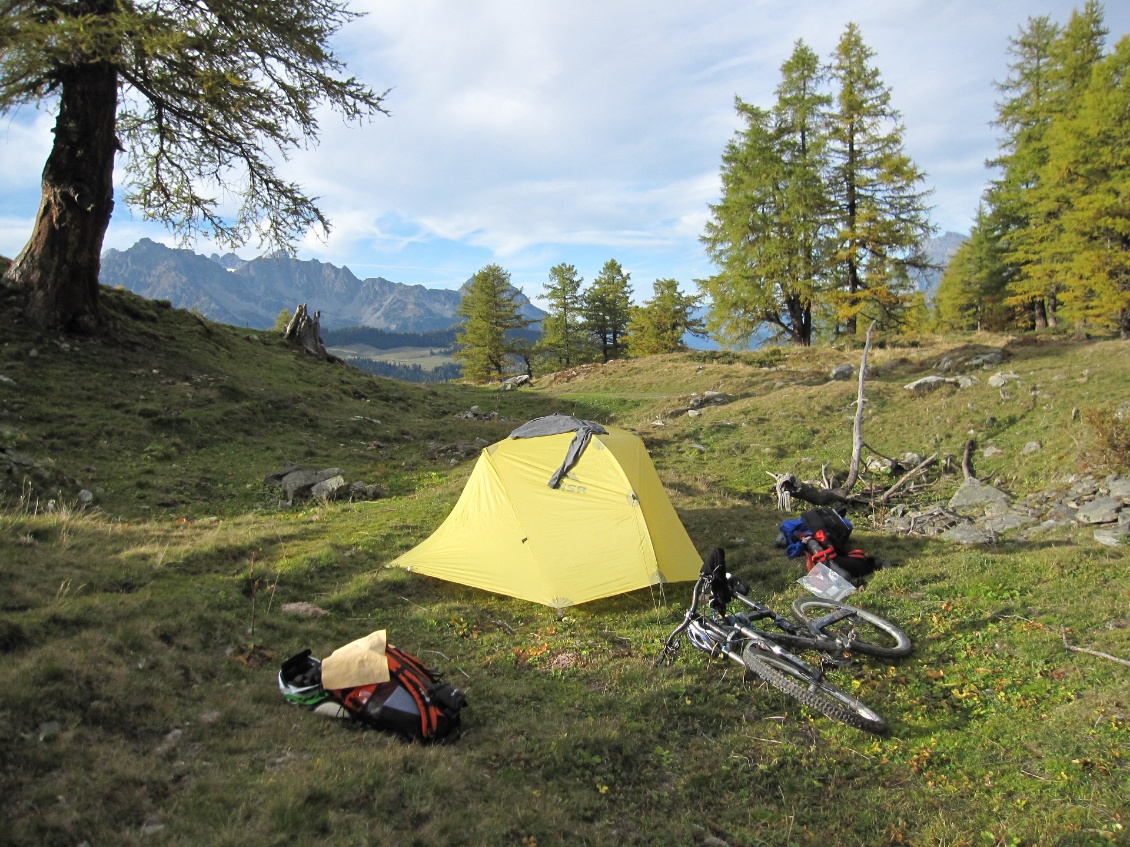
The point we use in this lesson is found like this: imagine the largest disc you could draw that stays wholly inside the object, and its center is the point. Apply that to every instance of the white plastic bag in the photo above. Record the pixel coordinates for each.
(826, 583)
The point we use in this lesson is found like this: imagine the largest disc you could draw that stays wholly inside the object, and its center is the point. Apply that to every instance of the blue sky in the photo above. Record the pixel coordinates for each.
(533, 133)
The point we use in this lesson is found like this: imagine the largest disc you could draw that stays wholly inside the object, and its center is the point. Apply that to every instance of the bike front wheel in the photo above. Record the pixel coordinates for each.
(799, 682)
(858, 631)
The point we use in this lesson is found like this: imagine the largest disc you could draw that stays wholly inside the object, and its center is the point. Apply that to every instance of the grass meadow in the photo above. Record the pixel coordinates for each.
(141, 634)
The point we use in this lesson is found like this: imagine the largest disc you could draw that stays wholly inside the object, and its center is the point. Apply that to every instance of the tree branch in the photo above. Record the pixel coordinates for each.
(1098, 653)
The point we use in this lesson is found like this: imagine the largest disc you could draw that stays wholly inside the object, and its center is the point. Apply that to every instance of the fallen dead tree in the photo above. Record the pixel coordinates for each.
(789, 487)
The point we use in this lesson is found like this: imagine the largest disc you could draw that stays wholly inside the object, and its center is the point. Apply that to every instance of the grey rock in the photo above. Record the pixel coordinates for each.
(1099, 510)
(844, 371)
(994, 358)
(966, 381)
(967, 534)
(1060, 512)
(975, 495)
(300, 483)
(1031, 447)
(1113, 537)
(991, 450)
(929, 383)
(361, 491)
(1002, 378)
(17, 458)
(1120, 489)
(1006, 521)
(693, 413)
(328, 489)
(1084, 487)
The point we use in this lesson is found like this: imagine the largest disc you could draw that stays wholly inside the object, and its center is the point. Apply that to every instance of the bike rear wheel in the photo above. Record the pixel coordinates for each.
(798, 682)
(863, 631)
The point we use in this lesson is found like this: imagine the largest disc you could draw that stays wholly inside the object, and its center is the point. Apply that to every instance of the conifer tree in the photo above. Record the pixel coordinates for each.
(1023, 116)
(882, 212)
(659, 325)
(607, 309)
(971, 292)
(489, 309)
(1089, 165)
(1037, 245)
(199, 97)
(564, 341)
(770, 234)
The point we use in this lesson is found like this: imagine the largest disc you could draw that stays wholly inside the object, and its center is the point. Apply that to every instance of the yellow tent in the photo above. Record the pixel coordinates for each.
(606, 528)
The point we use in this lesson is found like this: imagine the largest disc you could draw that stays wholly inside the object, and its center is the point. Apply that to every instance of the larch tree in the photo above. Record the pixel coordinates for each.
(1039, 248)
(1089, 162)
(881, 204)
(489, 309)
(770, 235)
(607, 307)
(564, 341)
(202, 99)
(1023, 116)
(970, 294)
(659, 325)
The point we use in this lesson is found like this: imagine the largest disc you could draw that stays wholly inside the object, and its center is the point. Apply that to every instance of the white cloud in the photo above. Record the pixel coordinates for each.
(535, 133)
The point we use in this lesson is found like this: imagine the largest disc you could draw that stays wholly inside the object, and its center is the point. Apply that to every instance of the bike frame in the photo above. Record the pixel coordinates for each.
(731, 638)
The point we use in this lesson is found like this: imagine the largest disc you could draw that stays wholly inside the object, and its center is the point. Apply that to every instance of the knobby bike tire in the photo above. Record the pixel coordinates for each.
(818, 694)
(868, 633)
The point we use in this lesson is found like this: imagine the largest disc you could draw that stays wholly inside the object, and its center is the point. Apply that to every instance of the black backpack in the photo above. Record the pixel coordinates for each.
(415, 702)
(833, 532)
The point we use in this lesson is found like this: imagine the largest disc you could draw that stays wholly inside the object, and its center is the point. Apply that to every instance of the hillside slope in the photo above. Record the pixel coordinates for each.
(142, 634)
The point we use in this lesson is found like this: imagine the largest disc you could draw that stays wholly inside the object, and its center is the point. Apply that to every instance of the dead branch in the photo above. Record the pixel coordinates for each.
(857, 424)
(788, 486)
(1098, 653)
(967, 460)
(784, 495)
(916, 471)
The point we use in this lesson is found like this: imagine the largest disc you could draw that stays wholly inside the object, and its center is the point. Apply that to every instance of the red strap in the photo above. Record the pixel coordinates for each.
(406, 669)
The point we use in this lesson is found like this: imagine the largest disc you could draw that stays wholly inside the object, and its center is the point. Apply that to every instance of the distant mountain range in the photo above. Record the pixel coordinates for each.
(253, 292)
(939, 250)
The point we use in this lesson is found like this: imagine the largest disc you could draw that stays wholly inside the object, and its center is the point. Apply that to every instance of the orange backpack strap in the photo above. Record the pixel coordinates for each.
(414, 678)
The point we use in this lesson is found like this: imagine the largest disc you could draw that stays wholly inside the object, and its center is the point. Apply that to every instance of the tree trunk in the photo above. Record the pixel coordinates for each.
(57, 271)
(1039, 316)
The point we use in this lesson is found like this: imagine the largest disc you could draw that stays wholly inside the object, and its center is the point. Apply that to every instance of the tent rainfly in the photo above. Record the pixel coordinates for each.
(562, 512)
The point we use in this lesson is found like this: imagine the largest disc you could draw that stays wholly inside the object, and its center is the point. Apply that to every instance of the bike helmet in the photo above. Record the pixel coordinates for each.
(702, 638)
(300, 680)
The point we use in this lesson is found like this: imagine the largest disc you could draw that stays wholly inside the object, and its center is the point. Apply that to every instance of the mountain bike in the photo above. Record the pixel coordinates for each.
(831, 629)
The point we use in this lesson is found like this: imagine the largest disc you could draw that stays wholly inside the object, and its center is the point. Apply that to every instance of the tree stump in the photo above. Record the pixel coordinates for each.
(306, 332)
